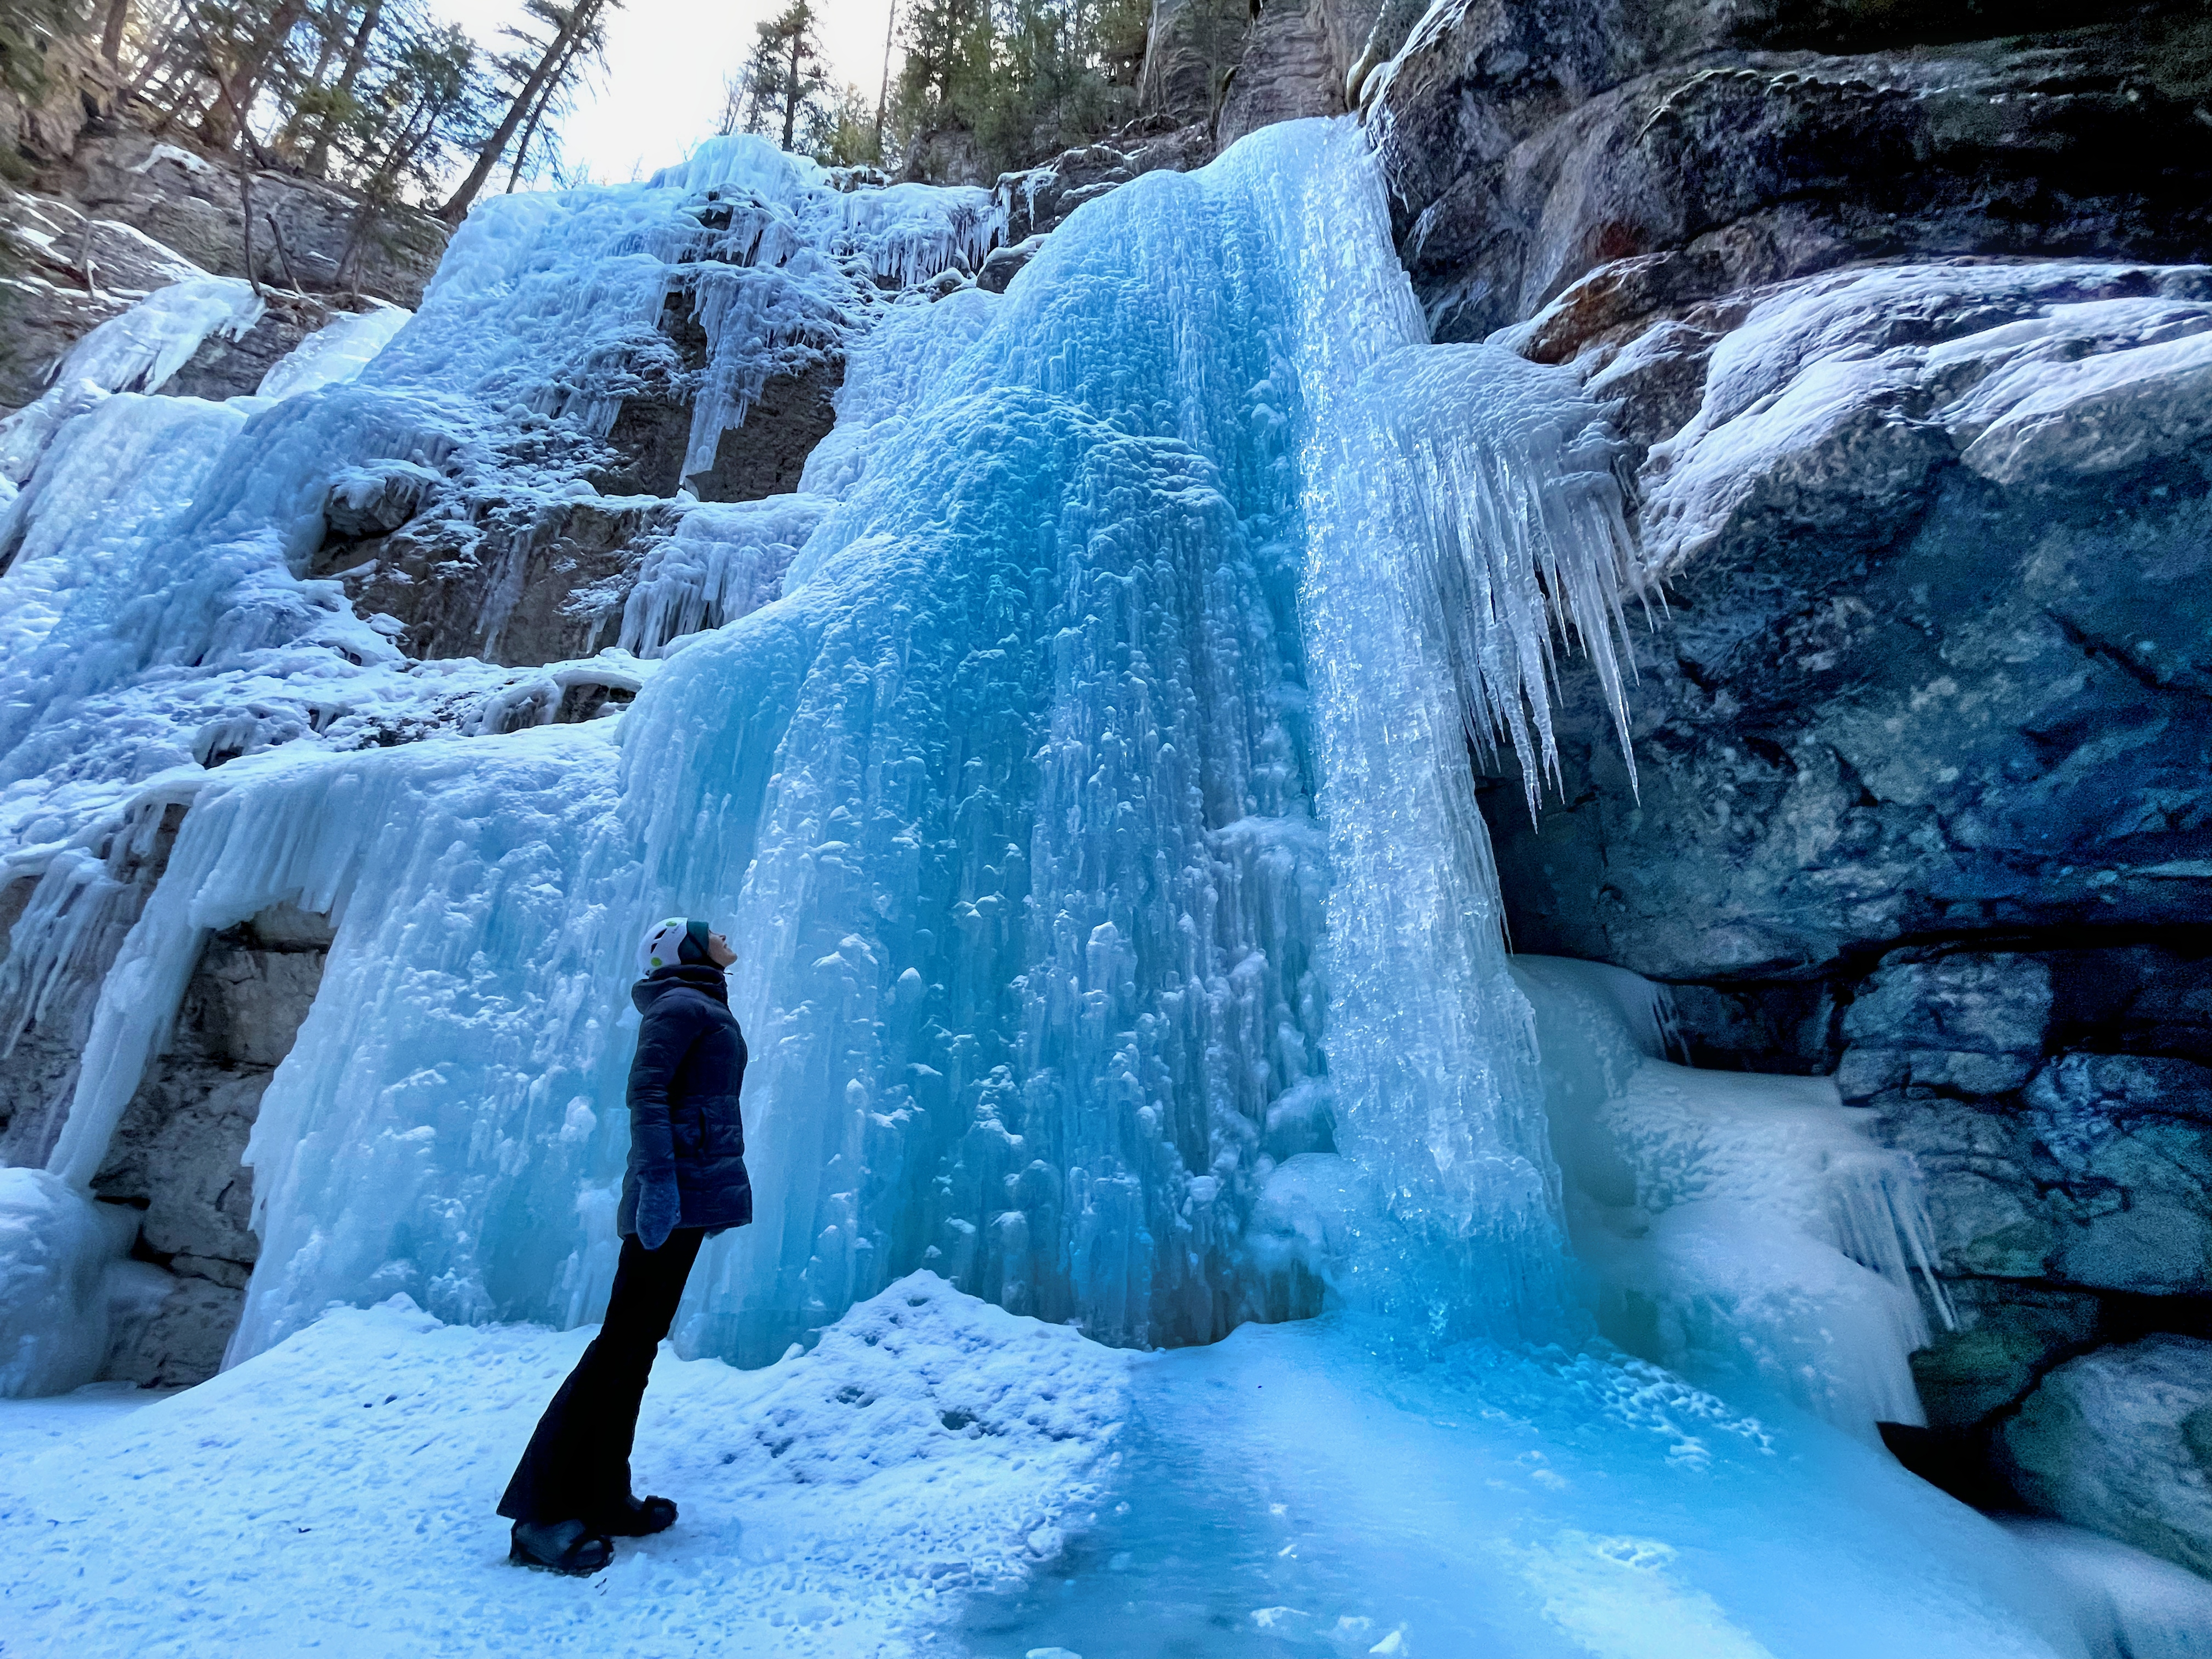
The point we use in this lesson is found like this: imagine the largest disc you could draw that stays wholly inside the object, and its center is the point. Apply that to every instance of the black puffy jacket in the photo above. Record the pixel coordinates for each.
(683, 1086)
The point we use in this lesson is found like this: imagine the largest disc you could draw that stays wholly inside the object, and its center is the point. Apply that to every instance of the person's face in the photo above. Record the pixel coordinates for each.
(718, 952)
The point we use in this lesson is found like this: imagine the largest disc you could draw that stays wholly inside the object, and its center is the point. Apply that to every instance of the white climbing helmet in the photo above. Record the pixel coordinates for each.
(663, 945)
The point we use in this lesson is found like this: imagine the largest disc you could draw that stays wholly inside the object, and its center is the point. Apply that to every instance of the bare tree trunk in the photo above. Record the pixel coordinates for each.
(111, 37)
(246, 203)
(456, 207)
(160, 60)
(372, 195)
(328, 49)
(243, 84)
(284, 254)
(537, 115)
(791, 88)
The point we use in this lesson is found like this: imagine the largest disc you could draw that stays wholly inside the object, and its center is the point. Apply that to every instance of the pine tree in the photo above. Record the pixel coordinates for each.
(540, 75)
(993, 85)
(785, 84)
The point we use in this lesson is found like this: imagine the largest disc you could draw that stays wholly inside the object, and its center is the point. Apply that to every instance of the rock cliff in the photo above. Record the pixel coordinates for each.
(1906, 333)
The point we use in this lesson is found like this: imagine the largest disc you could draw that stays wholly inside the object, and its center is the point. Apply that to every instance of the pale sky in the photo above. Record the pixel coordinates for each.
(660, 91)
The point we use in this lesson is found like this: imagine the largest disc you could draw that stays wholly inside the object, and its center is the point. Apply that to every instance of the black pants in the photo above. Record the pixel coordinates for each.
(577, 1464)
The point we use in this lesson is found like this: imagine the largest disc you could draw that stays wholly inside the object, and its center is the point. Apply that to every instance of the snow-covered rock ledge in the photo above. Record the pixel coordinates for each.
(338, 1490)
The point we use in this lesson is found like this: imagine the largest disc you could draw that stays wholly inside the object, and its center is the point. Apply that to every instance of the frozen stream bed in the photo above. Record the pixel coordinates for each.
(939, 1476)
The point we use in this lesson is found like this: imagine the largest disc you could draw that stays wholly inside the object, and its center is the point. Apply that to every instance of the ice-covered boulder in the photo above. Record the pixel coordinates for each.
(2120, 1440)
(1743, 1230)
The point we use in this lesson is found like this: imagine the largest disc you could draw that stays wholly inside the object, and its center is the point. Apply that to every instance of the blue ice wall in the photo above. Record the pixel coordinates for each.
(1090, 810)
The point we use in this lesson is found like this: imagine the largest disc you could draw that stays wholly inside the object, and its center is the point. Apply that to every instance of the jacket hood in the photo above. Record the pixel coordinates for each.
(699, 975)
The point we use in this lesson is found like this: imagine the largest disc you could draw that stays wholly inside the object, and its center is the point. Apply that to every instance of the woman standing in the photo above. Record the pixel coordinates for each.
(570, 1496)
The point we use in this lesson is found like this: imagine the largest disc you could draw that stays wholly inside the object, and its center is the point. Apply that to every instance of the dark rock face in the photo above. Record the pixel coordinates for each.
(45, 1013)
(1995, 723)
(517, 578)
(73, 273)
(476, 556)
(1038, 200)
(1191, 47)
(116, 173)
(1923, 731)
(102, 188)
(1533, 144)
(1921, 747)
(224, 367)
(763, 455)
(177, 1152)
(2121, 1441)
(1004, 263)
(1293, 65)
(74, 85)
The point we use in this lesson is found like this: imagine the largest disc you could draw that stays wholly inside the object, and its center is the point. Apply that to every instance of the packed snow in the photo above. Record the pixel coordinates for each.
(2126, 1604)
(335, 1494)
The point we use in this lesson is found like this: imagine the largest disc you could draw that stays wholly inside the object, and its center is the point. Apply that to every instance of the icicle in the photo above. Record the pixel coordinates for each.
(1508, 476)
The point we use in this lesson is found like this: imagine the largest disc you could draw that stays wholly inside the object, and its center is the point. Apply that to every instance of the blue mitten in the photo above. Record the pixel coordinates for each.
(659, 1210)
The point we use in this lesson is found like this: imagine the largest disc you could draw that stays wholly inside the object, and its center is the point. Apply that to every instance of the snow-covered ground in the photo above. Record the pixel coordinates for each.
(335, 1495)
(939, 1476)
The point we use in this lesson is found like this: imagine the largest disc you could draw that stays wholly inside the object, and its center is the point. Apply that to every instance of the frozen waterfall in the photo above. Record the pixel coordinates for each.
(1085, 790)
(1078, 758)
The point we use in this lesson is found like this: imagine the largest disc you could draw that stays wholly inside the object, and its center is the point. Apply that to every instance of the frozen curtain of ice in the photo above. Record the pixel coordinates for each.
(1077, 756)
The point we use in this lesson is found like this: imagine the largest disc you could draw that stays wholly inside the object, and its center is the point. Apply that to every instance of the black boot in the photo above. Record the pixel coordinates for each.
(568, 1546)
(631, 1519)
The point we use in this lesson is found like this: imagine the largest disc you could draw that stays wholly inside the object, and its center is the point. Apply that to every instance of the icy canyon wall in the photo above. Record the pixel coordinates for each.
(1906, 329)
(1913, 515)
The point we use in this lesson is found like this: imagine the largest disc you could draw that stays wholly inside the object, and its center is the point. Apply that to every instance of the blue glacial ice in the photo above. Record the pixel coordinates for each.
(1078, 758)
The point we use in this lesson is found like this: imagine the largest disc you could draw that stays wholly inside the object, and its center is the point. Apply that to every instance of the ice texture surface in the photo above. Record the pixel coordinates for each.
(335, 352)
(136, 351)
(59, 1253)
(1077, 759)
(1325, 1488)
(1744, 1230)
(2126, 1604)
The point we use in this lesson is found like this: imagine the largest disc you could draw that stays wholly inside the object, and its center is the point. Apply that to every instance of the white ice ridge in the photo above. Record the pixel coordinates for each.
(1092, 799)
(136, 351)
(723, 563)
(1743, 1230)
(335, 353)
